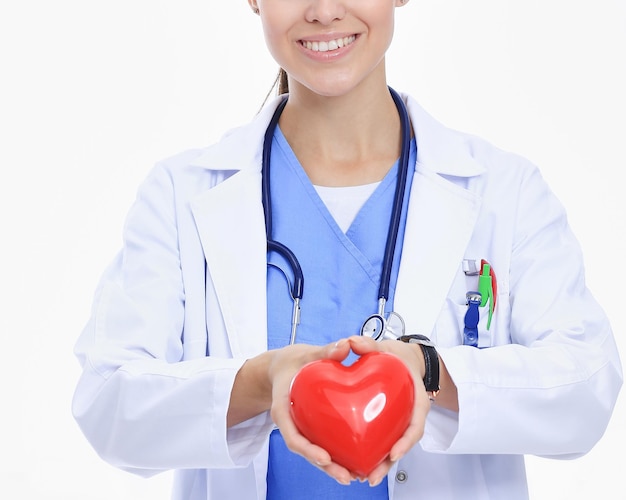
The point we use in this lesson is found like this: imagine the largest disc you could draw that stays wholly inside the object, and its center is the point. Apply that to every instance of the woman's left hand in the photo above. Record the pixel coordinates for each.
(413, 358)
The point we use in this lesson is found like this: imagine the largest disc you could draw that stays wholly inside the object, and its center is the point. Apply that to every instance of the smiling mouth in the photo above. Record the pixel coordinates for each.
(320, 46)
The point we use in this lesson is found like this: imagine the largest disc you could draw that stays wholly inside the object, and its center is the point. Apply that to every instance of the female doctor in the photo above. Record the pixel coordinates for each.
(188, 355)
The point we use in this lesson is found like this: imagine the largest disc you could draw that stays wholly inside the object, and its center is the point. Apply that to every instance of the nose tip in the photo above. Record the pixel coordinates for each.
(326, 12)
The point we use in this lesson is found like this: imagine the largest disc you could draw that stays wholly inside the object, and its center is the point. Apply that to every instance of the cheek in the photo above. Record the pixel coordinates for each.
(381, 20)
(275, 37)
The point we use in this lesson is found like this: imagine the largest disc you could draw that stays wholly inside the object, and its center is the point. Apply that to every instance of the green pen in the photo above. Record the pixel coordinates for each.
(485, 288)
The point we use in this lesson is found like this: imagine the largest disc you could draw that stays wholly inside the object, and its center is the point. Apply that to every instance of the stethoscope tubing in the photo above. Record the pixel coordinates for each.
(394, 225)
(265, 180)
(297, 288)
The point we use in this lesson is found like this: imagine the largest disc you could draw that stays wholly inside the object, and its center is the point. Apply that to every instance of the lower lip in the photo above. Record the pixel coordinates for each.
(329, 55)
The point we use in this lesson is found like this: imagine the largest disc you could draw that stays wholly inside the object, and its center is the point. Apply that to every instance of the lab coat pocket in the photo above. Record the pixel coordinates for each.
(450, 326)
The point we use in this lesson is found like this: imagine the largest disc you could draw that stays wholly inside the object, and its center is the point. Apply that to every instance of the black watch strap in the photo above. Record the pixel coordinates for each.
(431, 360)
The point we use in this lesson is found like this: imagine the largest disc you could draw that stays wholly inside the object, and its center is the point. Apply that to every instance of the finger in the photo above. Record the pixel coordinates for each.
(338, 473)
(414, 431)
(319, 457)
(363, 344)
(409, 439)
(299, 444)
(338, 351)
(295, 441)
(378, 474)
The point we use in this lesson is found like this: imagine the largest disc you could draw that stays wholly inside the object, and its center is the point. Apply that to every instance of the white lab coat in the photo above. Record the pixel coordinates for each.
(183, 306)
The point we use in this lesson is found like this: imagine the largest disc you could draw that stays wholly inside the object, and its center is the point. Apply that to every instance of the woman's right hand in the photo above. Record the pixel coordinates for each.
(263, 384)
(282, 369)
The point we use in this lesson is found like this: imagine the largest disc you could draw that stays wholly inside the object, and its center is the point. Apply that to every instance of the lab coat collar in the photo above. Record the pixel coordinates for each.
(439, 149)
(230, 223)
(240, 148)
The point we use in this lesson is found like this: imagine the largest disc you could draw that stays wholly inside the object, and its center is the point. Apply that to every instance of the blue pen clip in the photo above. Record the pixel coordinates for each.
(472, 316)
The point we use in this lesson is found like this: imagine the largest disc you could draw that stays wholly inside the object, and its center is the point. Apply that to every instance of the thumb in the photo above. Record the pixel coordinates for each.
(363, 344)
(338, 351)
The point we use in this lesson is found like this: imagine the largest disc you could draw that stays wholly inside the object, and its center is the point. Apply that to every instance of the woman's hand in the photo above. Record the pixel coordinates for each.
(264, 381)
(413, 358)
(285, 363)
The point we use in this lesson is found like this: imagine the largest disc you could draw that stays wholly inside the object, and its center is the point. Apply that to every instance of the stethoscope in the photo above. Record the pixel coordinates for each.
(378, 326)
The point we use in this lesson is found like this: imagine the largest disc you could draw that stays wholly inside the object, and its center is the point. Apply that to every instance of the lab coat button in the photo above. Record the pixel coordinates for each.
(402, 477)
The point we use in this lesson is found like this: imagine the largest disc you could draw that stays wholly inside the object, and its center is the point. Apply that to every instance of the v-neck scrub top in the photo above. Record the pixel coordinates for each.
(341, 284)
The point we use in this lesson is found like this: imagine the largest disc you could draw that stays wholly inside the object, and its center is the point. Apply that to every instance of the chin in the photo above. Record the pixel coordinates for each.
(329, 88)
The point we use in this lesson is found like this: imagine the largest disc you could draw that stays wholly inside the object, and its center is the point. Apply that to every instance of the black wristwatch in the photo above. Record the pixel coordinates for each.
(431, 361)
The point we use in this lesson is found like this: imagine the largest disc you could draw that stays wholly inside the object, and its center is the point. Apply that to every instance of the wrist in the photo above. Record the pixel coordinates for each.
(431, 361)
(251, 393)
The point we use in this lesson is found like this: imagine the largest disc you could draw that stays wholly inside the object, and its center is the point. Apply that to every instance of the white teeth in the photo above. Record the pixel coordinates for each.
(330, 45)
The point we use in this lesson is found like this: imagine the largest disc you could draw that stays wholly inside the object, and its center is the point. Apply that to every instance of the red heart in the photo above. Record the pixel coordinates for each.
(357, 412)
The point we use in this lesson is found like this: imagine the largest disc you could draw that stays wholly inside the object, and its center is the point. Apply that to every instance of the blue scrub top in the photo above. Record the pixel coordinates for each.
(341, 282)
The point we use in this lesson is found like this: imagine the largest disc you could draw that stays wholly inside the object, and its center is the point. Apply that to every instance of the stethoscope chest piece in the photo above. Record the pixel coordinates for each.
(379, 328)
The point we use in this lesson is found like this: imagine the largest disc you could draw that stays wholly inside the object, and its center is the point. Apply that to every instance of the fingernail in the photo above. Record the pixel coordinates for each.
(343, 482)
(376, 482)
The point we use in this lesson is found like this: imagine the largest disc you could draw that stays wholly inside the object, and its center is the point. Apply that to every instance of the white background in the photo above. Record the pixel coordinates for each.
(92, 93)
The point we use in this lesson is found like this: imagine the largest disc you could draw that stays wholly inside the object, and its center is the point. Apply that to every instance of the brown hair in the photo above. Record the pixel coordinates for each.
(281, 83)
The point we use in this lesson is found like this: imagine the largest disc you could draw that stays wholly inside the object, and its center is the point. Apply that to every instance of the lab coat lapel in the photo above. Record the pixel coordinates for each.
(229, 218)
(441, 217)
(230, 222)
(440, 221)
